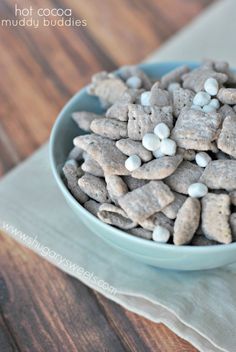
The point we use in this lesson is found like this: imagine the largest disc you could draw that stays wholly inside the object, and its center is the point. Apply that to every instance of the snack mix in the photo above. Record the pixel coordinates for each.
(160, 163)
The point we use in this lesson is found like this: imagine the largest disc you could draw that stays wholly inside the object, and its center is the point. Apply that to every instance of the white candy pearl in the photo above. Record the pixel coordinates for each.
(201, 99)
(202, 159)
(160, 234)
(168, 147)
(158, 154)
(151, 141)
(215, 103)
(196, 107)
(134, 82)
(211, 86)
(145, 98)
(133, 162)
(173, 86)
(162, 130)
(208, 108)
(197, 190)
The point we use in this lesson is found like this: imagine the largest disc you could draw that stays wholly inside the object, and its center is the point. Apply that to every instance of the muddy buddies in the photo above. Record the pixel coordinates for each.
(160, 163)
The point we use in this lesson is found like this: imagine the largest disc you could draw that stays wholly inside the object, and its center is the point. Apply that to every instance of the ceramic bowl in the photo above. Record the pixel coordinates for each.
(159, 255)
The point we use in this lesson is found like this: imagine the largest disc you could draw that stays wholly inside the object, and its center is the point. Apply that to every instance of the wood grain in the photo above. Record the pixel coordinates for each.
(41, 308)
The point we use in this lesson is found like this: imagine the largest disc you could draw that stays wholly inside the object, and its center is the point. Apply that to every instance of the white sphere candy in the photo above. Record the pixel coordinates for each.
(158, 154)
(196, 107)
(211, 86)
(201, 99)
(162, 130)
(202, 159)
(173, 86)
(168, 147)
(133, 162)
(134, 82)
(208, 108)
(215, 103)
(151, 141)
(160, 234)
(197, 190)
(145, 98)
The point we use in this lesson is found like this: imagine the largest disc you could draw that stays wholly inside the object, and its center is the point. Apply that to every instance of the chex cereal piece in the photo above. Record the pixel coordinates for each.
(188, 154)
(143, 119)
(84, 119)
(196, 78)
(227, 138)
(221, 66)
(172, 209)
(139, 205)
(105, 152)
(195, 129)
(75, 154)
(140, 232)
(200, 240)
(134, 183)
(92, 206)
(92, 167)
(220, 174)
(173, 76)
(110, 128)
(157, 219)
(116, 187)
(186, 174)
(187, 221)
(215, 217)
(70, 171)
(231, 78)
(226, 110)
(94, 187)
(107, 87)
(119, 110)
(113, 215)
(232, 221)
(227, 96)
(158, 96)
(232, 195)
(182, 98)
(129, 71)
(158, 169)
(130, 147)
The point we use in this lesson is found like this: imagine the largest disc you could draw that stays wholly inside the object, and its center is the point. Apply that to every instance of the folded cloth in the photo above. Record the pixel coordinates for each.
(198, 306)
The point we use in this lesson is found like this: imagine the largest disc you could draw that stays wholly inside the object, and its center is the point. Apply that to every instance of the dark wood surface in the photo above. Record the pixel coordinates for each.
(41, 308)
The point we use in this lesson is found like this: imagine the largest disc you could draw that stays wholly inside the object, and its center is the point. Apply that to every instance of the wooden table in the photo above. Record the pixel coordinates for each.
(41, 308)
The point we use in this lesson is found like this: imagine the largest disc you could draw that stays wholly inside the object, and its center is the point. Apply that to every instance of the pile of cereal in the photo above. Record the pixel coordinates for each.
(161, 162)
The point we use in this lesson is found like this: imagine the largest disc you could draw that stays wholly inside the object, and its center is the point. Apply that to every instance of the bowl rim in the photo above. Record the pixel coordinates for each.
(185, 249)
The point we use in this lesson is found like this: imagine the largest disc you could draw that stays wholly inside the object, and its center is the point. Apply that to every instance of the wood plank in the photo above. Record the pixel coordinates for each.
(7, 341)
(46, 309)
(146, 335)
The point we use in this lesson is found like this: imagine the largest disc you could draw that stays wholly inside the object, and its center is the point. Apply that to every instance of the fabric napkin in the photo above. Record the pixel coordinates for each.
(198, 306)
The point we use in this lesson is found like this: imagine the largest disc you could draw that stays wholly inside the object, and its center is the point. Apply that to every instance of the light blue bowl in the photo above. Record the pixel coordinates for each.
(160, 255)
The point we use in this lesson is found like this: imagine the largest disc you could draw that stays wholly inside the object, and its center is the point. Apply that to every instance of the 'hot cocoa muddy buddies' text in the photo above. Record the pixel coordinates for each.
(42, 17)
